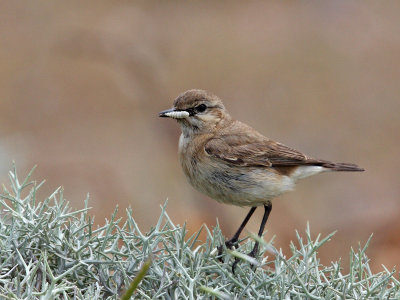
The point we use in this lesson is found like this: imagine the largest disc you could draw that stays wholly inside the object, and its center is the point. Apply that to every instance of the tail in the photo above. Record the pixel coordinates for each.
(346, 167)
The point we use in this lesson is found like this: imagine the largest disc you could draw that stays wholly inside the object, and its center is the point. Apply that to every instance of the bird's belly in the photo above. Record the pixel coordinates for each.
(238, 186)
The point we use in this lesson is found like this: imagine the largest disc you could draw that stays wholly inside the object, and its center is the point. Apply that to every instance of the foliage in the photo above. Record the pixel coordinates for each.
(48, 251)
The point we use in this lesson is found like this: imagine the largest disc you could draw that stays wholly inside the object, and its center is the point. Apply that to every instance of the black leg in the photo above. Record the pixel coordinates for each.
(254, 252)
(233, 241)
(267, 211)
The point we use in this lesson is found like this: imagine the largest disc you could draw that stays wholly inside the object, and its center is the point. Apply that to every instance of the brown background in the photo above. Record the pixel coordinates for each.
(81, 84)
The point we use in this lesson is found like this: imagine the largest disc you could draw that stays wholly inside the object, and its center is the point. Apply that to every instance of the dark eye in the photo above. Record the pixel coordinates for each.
(201, 107)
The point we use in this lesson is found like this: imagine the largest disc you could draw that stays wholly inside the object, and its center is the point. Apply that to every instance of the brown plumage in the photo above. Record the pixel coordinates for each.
(233, 163)
(239, 148)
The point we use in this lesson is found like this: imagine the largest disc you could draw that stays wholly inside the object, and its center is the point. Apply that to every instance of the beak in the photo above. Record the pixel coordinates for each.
(164, 113)
(173, 113)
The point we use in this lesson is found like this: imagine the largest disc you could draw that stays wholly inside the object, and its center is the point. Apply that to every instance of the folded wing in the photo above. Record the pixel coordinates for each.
(243, 146)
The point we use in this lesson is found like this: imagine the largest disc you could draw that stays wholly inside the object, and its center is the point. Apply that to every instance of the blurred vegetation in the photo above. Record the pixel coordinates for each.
(49, 251)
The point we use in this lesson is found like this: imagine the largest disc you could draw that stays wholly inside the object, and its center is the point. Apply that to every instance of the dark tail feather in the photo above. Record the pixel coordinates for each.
(343, 167)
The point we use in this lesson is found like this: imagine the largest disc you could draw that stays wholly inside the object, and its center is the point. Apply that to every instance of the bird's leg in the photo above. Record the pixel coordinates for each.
(233, 241)
(267, 211)
(254, 252)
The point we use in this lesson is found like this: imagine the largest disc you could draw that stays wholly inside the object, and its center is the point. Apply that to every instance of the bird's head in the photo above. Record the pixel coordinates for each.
(197, 112)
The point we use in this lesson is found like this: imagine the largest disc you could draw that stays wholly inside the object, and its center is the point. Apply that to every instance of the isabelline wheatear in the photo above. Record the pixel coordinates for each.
(232, 163)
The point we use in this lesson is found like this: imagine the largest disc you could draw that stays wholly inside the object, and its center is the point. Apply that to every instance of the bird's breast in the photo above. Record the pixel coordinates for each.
(189, 155)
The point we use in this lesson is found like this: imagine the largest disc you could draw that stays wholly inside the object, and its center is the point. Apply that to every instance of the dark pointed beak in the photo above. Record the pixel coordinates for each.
(163, 114)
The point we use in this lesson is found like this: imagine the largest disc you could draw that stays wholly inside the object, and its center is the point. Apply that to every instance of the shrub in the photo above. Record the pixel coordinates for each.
(48, 251)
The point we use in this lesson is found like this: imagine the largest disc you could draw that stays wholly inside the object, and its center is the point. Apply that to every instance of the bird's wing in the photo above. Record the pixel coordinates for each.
(243, 146)
(240, 145)
(241, 152)
(246, 155)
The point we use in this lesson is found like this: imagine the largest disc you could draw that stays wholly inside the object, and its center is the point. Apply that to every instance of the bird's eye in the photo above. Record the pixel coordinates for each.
(201, 107)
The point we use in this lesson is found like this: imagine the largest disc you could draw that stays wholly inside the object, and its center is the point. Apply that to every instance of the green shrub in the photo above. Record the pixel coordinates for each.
(48, 251)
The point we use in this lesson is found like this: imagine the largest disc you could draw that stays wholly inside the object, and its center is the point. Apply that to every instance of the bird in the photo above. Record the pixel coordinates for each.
(233, 163)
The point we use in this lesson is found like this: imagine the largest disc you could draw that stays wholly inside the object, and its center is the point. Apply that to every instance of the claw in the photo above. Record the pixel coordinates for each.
(220, 250)
(229, 245)
(234, 265)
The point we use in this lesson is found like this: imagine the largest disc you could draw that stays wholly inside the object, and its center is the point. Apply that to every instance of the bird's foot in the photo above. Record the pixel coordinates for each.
(229, 244)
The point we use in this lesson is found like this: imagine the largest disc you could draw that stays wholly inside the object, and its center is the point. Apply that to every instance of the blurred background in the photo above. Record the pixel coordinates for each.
(81, 85)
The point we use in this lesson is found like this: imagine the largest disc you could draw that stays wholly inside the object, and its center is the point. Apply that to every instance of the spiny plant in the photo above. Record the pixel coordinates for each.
(49, 251)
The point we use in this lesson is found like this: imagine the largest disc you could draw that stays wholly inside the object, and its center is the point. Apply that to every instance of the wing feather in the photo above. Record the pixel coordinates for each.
(240, 145)
(263, 153)
(246, 155)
